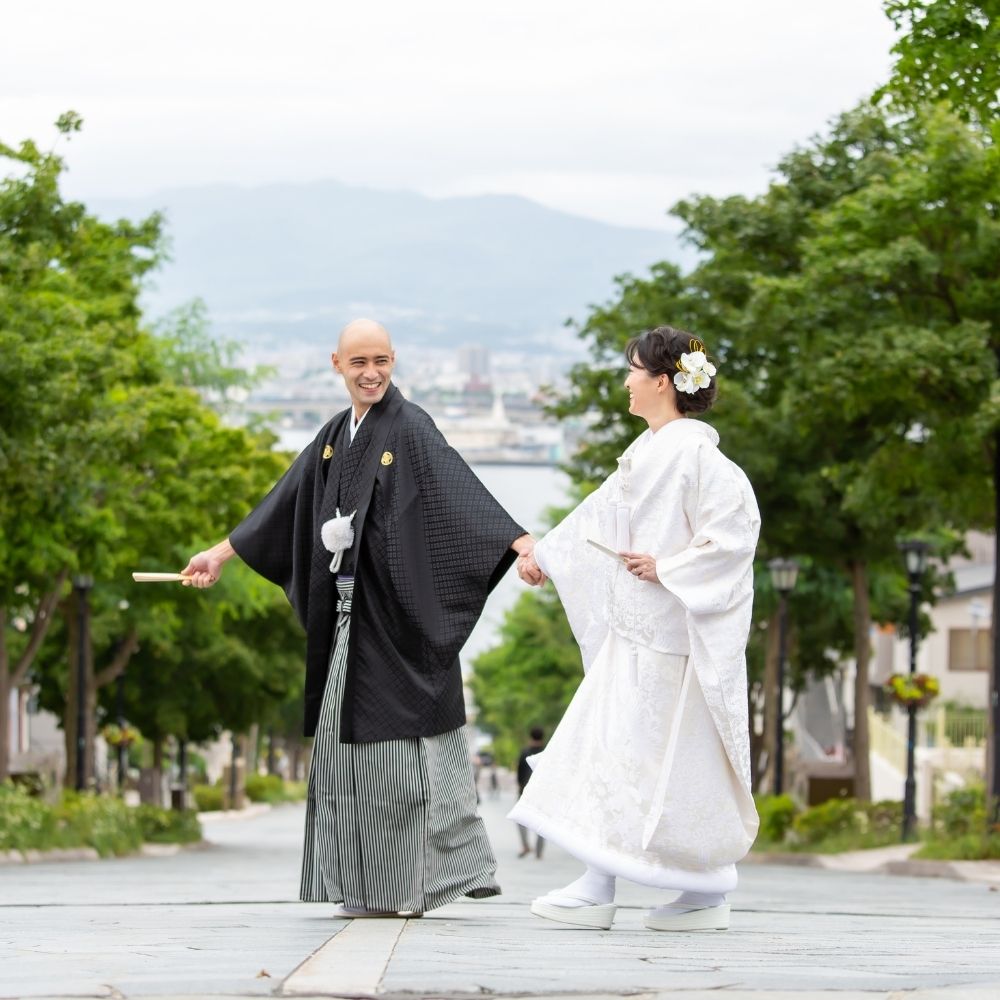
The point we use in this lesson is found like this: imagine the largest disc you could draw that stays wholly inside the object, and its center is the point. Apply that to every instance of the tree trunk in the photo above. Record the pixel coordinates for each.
(862, 654)
(770, 708)
(272, 757)
(5, 689)
(252, 749)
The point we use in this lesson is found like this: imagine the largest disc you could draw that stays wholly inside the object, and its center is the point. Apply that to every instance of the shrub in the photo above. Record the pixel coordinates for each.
(25, 822)
(86, 820)
(168, 826)
(296, 791)
(968, 847)
(959, 829)
(106, 824)
(265, 788)
(885, 819)
(271, 788)
(836, 817)
(208, 798)
(776, 815)
(962, 812)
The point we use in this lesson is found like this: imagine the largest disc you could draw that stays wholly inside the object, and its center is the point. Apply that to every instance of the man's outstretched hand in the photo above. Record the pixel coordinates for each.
(205, 568)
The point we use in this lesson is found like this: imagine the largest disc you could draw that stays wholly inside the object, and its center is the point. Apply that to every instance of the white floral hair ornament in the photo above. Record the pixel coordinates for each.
(694, 370)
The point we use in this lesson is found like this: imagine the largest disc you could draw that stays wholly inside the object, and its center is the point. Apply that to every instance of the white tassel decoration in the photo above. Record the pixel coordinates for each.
(338, 536)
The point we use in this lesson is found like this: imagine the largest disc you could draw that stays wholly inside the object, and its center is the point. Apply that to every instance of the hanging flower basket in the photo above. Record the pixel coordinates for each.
(121, 736)
(917, 690)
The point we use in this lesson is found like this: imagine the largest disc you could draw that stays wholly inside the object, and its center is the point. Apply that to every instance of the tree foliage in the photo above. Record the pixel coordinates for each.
(947, 51)
(112, 459)
(529, 678)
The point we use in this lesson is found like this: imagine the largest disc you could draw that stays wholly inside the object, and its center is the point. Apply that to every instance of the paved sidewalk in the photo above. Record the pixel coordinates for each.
(225, 921)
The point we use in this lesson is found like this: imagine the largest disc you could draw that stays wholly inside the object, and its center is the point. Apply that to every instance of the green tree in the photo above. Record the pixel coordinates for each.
(69, 334)
(843, 315)
(529, 678)
(947, 52)
(110, 457)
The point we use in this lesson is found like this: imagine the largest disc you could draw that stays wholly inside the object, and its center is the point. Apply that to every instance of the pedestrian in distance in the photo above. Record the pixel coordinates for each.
(536, 746)
(387, 546)
(647, 776)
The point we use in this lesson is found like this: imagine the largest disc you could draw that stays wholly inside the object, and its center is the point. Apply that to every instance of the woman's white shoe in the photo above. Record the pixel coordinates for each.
(599, 916)
(704, 918)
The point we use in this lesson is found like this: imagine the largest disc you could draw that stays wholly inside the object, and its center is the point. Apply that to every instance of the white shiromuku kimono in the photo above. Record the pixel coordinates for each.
(647, 776)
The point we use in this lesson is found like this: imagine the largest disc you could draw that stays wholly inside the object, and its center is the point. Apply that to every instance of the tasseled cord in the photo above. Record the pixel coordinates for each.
(338, 537)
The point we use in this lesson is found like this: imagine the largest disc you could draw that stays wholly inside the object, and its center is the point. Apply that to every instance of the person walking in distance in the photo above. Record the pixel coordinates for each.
(536, 746)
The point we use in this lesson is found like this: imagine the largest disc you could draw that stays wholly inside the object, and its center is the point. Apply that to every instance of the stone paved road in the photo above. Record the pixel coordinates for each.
(210, 922)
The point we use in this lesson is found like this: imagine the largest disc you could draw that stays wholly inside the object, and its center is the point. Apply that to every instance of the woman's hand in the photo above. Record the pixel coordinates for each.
(641, 566)
(529, 571)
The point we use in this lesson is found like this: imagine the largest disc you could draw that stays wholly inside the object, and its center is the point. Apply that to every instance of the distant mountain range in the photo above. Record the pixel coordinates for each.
(290, 262)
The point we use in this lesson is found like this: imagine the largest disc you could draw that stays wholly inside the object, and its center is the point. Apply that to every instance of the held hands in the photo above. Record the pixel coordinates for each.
(641, 566)
(527, 569)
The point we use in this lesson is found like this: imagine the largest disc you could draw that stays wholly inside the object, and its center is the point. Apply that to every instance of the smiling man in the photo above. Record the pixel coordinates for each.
(387, 546)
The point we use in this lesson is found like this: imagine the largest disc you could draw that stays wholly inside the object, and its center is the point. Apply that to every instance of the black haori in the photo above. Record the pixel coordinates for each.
(430, 543)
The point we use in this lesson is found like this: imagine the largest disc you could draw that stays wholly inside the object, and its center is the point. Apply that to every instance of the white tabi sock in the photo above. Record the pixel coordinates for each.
(687, 901)
(593, 888)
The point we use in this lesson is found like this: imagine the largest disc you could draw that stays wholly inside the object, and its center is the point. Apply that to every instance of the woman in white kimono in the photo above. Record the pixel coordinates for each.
(647, 776)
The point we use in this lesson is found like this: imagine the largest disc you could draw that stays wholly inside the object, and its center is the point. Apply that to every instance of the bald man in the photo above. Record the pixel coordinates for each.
(387, 546)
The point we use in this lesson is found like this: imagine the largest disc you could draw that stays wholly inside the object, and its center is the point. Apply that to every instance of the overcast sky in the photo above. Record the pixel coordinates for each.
(611, 109)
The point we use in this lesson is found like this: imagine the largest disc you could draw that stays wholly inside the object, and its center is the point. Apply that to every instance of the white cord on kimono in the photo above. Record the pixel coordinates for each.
(338, 536)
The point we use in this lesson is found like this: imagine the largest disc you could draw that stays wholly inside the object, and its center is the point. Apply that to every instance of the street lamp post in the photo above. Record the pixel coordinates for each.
(915, 554)
(82, 585)
(784, 573)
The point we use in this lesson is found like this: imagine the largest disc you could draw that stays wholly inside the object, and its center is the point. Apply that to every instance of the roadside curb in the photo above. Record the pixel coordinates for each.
(869, 863)
(229, 815)
(146, 850)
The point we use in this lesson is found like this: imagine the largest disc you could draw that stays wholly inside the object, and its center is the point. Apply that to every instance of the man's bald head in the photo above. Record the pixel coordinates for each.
(362, 330)
(364, 357)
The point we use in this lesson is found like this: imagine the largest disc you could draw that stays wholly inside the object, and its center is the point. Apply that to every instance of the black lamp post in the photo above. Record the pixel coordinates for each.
(784, 573)
(82, 585)
(915, 554)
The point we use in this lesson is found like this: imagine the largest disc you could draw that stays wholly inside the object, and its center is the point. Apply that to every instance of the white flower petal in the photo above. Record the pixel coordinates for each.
(684, 382)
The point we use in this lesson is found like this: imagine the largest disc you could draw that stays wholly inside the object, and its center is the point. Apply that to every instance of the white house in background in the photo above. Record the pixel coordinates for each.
(35, 739)
(950, 744)
(950, 749)
(958, 650)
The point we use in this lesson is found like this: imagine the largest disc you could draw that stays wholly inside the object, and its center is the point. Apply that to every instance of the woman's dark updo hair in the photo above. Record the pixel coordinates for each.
(658, 351)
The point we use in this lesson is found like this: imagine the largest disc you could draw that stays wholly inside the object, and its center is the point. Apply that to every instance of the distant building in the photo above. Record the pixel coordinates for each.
(474, 364)
(951, 731)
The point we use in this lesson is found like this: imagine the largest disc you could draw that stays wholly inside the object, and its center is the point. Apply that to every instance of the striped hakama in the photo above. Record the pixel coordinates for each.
(390, 825)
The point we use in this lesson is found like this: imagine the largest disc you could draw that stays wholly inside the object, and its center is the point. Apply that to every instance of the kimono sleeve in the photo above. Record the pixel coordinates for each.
(713, 573)
(275, 538)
